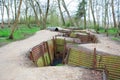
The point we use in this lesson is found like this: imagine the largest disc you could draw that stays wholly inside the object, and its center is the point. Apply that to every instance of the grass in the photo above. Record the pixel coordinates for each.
(21, 32)
(111, 31)
(60, 65)
(116, 38)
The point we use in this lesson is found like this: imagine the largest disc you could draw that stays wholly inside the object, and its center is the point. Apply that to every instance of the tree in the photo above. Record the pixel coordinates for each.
(85, 13)
(26, 13)
(81, 12)
(45, 15)
(88, 8)
(8, 12)
(11, 8)
(35, 12)
(15, 7)
(2, 12)
(61, 14)
(105, 17)
(40, 11)
(113, 13)
(92, 10)
(118, 11)
(65, 7)
(16, 21)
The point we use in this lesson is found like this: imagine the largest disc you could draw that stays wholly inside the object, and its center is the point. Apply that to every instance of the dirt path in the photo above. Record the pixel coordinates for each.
(105, 45)
(15, 65)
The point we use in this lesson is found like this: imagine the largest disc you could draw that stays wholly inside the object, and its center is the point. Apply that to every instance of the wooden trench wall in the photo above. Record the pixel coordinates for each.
(44, 54)
(109, 63)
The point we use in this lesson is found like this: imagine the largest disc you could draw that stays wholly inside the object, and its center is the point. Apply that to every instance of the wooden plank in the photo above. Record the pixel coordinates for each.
(48, 52)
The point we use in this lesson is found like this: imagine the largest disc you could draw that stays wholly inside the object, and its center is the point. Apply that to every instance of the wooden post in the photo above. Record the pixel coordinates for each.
(64, 51)
(31, 56)
(54, 46)
(67, 56)
(94, 59)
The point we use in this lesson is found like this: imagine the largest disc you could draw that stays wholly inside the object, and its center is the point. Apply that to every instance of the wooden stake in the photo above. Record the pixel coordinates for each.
(94, 57)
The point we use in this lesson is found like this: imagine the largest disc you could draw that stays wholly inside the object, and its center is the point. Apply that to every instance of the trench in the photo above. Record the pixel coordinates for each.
(63, 50)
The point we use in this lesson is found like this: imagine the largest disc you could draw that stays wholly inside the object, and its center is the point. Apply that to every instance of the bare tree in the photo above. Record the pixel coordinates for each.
(26, 13)
(84, 13)
(11, 8)
(15, 7)
(106, 17)
(118, 16)
(92, 10)
(40, 11)
(89, 12)
(45, 15)
(35, 12)
(61, 14)
(2, 12)
(65, 7)
(8, 12)
(16, 21)
(113, 13)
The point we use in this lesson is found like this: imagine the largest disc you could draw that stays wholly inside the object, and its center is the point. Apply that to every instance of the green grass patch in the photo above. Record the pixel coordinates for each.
(21, 32)
(60, 65)
(111, 31)
(116, 38)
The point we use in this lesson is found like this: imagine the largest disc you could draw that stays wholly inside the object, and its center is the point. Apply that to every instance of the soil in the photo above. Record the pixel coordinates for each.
(15, 64)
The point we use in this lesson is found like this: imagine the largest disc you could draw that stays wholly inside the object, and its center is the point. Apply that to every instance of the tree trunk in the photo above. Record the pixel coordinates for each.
(15, 8)
(16, 21)
(8, 12)
(2, 12)
(84, 16)
(105, 16)
(61, 14)
(40, 11)
(113, 13)
(89, 13)
(65, 7)
(26, 14)
(36, 16)
(91, 5)
(97, 8)
(46, 14)
(118, 26)
(11, 3)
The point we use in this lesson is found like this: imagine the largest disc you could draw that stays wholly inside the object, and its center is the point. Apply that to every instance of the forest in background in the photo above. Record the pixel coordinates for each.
(29, 16)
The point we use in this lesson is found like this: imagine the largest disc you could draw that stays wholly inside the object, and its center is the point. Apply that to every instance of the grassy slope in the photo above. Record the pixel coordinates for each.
(21, 32)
